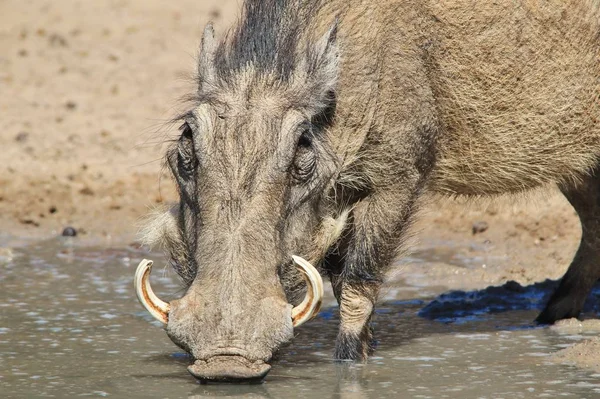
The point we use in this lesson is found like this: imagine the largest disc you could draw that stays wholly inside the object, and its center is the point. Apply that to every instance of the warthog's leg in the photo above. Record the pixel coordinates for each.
(584, 271)
(390, 174)
(357, 265)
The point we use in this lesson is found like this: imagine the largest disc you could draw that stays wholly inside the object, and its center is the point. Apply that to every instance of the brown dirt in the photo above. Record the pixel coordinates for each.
(527, 240)
(87, 90)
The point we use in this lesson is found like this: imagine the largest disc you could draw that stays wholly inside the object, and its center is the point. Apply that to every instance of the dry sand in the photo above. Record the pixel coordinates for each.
(86, 92)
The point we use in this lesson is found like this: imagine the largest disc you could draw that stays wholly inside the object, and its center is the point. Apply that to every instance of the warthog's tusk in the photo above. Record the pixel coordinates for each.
(158, 308)
(314, 294)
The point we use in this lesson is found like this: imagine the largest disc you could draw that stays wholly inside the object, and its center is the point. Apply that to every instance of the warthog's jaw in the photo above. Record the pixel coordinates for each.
(229, 365)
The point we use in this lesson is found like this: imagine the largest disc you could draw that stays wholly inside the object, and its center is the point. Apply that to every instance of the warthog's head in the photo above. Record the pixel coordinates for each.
(255, 173)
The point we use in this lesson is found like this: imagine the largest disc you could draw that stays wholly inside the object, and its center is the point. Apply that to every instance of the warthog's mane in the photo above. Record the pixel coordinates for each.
(268, 36)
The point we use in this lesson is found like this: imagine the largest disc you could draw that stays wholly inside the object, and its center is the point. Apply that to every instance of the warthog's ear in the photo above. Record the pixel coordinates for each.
(323, 65)
(326, 47)
(206, 69)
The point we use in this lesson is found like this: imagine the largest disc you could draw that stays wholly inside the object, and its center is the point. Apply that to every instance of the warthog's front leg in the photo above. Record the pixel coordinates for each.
(391, 173)
(357, 303)
(357, 265)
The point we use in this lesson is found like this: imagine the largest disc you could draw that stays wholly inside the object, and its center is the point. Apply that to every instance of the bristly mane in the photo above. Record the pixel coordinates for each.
(266, 37)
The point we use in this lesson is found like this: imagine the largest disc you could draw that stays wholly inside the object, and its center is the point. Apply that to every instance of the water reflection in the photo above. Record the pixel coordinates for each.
(350, 382)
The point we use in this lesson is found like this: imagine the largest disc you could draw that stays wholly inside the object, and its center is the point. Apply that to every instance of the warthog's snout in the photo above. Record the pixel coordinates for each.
(231, 336)
(229, 369)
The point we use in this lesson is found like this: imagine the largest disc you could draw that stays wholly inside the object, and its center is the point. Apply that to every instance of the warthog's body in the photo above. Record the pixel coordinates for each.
(323, 148)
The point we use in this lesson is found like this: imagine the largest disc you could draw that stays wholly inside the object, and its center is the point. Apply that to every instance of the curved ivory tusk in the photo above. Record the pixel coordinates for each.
(158, 308)
(314, 295)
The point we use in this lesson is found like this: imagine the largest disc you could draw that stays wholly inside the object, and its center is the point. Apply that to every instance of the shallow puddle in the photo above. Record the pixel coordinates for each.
(70, 326)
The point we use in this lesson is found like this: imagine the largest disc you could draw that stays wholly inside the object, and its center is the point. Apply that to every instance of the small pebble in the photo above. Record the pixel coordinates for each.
(479, 227)
(56, 40)
(86, 191)
(6, 254)
(22, 137)
(69, 232)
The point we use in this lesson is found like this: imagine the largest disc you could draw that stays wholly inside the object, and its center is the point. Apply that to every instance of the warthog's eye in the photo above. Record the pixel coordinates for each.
(186, 156)
(304, 141)
(305, 159)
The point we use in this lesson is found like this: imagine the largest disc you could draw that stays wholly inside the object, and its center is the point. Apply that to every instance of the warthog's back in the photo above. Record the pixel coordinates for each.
(518, 89)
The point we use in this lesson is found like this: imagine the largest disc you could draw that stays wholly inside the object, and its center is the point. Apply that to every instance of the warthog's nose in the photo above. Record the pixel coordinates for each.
(229, 369)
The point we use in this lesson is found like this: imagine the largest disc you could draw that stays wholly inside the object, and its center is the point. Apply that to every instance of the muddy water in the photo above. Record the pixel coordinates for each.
(70, 326)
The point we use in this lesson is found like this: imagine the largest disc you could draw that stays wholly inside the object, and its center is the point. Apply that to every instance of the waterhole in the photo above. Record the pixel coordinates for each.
(70, 326)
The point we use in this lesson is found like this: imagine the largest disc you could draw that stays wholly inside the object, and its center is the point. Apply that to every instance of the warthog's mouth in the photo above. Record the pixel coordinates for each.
(229, 369)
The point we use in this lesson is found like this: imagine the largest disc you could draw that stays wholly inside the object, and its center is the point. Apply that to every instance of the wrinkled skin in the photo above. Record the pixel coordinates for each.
(319, 125)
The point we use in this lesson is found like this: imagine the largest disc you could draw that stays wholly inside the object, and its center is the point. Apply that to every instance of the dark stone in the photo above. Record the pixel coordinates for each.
(69, 232)
(479, 227)
(21, 137)
(57, 40)
(30, 221)
(86, 191)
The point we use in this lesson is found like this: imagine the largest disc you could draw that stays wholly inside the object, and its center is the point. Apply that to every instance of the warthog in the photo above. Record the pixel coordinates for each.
(318, 125)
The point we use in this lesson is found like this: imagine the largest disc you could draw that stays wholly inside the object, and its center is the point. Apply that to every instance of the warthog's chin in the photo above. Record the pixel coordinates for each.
(229, 368)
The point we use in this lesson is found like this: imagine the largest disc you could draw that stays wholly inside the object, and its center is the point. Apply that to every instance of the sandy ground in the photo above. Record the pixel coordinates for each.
(584, 353)
(86, 92)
